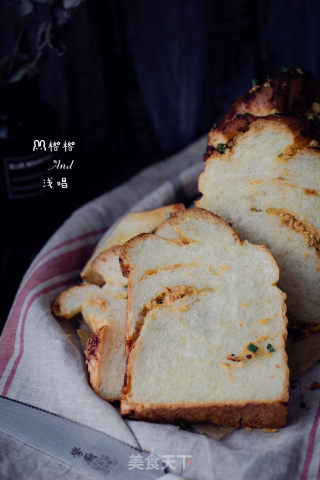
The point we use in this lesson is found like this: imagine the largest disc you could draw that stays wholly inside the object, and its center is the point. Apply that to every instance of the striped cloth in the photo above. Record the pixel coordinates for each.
(40, 366)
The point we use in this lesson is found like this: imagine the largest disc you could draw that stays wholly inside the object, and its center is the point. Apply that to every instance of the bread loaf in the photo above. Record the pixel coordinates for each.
(263, 176)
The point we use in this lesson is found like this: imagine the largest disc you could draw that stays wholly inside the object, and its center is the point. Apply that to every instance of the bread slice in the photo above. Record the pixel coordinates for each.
(198, 304)
(130, 226)
(105, 268)
(291, 91)
(265, 180)
(68, 303)
(104, 311)
(105, 357)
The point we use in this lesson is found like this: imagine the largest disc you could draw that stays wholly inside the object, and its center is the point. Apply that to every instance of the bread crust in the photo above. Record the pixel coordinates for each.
(291, 92)
(303, 131)
(255, 415)
(93, 353)
(94, 360)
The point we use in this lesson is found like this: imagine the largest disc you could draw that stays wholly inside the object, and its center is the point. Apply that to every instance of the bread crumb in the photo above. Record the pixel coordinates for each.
(244, 304)
(269, 430)
(299, 70)
(267, 84)
(249, 429)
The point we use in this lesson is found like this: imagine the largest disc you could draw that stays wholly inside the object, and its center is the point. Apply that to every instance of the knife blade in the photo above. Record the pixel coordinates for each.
(82, 447)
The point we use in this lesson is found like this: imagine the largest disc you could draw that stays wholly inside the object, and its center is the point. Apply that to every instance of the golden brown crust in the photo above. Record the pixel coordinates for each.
(251, 414)
(228, 130)
(94, 354)
(291, 93)
(304, 132)
(55, 307)
(201, 213)
(58, 302)
(123, 258)
(305, 135)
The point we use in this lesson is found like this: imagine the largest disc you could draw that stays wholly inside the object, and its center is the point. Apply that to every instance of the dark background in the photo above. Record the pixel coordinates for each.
(130, 81)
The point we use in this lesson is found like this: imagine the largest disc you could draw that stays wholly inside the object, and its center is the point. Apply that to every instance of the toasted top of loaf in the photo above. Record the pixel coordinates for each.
(294, 92)
(301, 131)
(129, 226)
(198, 305)
(266, 182)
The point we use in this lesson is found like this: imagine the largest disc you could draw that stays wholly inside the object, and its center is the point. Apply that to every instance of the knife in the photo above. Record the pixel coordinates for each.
(82, 447)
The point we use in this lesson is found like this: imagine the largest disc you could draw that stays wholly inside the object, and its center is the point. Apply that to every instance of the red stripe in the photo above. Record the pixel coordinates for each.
(21, 350)
(68, 242)
(310, 448)
(64, 263)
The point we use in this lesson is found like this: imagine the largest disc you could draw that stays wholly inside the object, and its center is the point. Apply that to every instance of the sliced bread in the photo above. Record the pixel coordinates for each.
(263, 176)
(103, 309)
(128, 227)
(206, 327)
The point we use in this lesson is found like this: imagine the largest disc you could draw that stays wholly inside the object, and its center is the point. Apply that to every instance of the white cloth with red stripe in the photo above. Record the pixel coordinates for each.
(39, 366)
